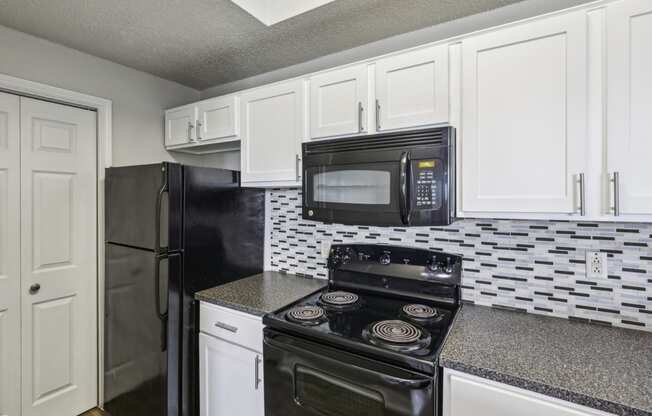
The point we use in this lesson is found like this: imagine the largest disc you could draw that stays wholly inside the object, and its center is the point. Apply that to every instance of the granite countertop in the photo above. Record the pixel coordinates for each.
(605, 368)
(261, 293)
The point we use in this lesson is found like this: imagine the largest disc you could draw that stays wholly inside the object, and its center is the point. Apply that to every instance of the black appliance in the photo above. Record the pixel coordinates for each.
(369, 343)
(171, 230)
(397, 179)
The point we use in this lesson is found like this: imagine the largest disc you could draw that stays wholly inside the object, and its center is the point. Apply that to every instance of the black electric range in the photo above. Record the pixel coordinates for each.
(372, 336)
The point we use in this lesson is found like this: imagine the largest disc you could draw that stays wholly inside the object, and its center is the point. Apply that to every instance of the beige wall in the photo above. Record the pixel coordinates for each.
(139, 99)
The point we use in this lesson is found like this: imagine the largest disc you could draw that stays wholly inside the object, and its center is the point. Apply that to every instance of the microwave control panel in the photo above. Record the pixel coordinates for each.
(427, 184)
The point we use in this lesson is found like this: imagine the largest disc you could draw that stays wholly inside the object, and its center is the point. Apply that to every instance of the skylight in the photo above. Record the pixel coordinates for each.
(271, 12)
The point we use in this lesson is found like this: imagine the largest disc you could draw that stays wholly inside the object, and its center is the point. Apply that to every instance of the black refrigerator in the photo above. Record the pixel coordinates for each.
(171, 230)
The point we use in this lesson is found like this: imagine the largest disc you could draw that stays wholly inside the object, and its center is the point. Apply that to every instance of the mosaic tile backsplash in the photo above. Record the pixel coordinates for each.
(533, 266)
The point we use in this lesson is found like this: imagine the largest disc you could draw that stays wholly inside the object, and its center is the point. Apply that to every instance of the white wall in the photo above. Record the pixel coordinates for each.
(139, 99)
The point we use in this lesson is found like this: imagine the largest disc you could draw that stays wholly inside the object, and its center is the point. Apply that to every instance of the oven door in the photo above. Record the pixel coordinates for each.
(304, 378)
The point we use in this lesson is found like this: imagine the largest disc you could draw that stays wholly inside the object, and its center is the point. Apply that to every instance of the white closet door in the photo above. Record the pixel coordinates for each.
(9, 255)
(629, 102)
(58, 252)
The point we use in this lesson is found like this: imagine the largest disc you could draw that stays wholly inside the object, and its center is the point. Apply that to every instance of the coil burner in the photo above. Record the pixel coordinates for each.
(339, 298)
(306, 315)
(397, 335)
(422, 314)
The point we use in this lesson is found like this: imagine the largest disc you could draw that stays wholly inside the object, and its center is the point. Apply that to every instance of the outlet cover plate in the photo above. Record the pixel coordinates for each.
(596, 265)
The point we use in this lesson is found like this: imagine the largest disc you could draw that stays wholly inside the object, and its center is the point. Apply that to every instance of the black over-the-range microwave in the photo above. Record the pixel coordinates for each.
(391, 179)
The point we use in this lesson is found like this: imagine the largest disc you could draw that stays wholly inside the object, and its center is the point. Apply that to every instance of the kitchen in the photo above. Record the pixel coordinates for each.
(446, 213)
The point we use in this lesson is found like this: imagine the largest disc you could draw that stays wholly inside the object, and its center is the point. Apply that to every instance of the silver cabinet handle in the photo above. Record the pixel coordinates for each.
(377, 115)
(226, 327)
(297, 167)
(360, 111)
(190, 127)
(616, 184)
(257, 378)
(199, 124)
(582, 207)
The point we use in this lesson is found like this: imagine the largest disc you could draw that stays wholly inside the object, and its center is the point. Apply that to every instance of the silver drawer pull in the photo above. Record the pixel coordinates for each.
(616, 184)
(257, 378)
(226, 327)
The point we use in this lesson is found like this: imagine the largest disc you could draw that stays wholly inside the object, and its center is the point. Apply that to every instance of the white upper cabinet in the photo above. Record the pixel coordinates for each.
(629, 105)
(338, 102)
(412, 89)
(524, 121)
(217, 118)
(180, 125)
(272, 129)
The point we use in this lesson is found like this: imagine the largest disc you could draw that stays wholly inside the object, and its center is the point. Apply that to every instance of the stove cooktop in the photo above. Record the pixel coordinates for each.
(404, 331)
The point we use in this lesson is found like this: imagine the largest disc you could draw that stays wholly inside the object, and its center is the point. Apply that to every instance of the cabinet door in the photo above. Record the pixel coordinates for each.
(230, 379)
(180, 125)
(524, 119)
(412, 89)
(271, 131)
(217, 118)
(629, 102)
(466, 395)
(338, 102)
(9, 255)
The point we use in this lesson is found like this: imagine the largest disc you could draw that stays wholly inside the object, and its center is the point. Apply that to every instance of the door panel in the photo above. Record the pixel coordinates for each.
(412, 89)
(134, 360)
(338, 102)
(58, 252)
(228, 379)
(9, 255)
(180, 125)
(629, 92)
(524, 131)
(218, 118)
(272, 129)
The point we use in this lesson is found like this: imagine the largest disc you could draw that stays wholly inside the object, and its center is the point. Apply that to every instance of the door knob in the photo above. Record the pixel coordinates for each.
(33, 289)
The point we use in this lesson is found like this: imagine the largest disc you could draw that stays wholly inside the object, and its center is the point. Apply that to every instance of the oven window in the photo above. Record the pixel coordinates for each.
(333, 396)
(363, 187)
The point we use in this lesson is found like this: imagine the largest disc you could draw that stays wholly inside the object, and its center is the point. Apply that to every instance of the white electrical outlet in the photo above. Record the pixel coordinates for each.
(596, 265)
(325, 248)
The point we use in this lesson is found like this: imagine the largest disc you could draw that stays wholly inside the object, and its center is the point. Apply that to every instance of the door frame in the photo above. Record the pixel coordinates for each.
(104, 109)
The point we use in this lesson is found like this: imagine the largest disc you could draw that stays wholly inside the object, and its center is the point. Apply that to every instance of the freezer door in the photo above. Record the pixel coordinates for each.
(135, 356)
(140, 200)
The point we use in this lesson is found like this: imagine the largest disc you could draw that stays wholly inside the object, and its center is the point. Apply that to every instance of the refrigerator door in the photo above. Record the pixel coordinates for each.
(224, 229)
(140, 202)
(135, 360)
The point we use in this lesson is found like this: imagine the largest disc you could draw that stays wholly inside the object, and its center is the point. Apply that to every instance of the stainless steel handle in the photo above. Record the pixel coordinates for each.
(582, 207)
(297, 167)
(199, 124)
(33, 289)
(226, 327)
(257, 378)
(190, 127)
(377, 115)
(616, 184)
(360, 111)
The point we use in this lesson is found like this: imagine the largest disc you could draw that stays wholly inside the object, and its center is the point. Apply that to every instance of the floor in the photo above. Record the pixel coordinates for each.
(94, 412)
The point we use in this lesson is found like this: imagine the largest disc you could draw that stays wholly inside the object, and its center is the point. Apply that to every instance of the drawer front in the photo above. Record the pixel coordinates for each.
(230, 325)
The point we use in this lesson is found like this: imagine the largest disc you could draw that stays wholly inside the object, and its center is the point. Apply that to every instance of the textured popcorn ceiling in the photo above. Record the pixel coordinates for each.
(201, 43)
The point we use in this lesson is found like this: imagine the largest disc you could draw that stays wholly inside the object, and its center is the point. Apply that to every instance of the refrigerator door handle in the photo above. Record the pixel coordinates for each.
(163, 316)
(157, 215)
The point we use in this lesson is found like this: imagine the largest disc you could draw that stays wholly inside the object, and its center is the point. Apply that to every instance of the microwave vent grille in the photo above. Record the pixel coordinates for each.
(439, 136)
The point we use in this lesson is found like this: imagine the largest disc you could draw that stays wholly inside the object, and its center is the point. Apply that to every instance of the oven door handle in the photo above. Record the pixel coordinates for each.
(403, 188)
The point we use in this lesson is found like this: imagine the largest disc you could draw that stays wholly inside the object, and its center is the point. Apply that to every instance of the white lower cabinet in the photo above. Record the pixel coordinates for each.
(230, 379)
(467, 395)
(230, 363)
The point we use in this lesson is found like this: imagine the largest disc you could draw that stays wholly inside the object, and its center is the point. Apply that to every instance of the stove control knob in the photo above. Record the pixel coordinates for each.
(385, 259)
(434, 265)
